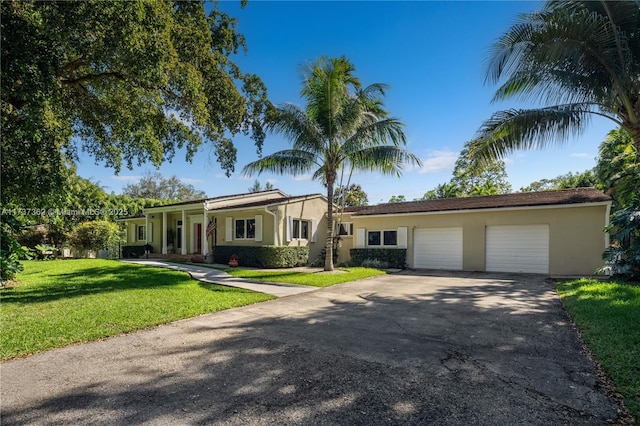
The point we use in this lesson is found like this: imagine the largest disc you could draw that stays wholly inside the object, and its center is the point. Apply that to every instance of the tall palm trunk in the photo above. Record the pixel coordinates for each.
(328, 247)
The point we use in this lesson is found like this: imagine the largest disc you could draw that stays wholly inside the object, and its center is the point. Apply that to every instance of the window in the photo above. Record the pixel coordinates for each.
(345, 229)
(142, 233)
(245, 229)
(382, 238)
(300, 229)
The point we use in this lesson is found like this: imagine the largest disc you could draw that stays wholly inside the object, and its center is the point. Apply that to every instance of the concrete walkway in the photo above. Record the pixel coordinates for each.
(216, 276)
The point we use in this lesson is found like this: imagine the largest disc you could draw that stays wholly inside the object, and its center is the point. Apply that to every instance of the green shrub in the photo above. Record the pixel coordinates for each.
(96, 235)
(263, 257)
(623, 255)
(129, 252)
(375, 263)
(395, 258)
(10, 249)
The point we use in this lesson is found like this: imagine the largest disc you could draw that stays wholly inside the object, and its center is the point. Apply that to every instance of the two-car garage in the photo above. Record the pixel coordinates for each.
(547, 232)
(508, 248)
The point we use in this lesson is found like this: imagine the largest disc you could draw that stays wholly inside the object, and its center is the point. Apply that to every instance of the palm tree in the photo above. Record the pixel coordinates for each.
(581, 58)
(344, 126)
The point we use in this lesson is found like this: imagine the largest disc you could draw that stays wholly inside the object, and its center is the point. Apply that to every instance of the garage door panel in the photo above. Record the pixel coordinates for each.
(517, 248)
(437, 248)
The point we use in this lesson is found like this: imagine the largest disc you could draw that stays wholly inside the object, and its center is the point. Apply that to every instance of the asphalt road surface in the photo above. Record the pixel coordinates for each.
(450, 349)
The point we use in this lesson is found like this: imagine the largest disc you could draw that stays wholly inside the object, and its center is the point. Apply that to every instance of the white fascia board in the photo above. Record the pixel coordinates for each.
(506, 209)
(264, 206)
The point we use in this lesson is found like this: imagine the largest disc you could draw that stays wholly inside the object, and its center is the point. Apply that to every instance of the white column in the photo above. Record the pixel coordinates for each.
(164, 232)
(205, 243)
(185, 229)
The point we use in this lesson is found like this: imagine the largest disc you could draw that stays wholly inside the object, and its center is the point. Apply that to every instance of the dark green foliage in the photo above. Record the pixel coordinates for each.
(566, 181)
(623, 255)
(96, 235)
(129, 252)
(128, 82)
(395, 258)
(10, 250)
(576, 58)
(155, 186)
(471, 179)
(263, 257)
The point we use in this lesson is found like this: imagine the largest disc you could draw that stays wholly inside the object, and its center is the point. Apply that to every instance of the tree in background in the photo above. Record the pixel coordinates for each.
(157, 187)
(566, 181)
(472, 179)
(257, 187)
(351, 196)
(443, 190)
(397, 199)
(618, 168)
(343, 127)
(127, 82)
(582, 57)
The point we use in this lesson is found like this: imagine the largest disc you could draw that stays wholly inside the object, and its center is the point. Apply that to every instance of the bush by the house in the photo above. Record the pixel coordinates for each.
(623, 256)
(375, 263)
(10, 249)
(129, 252)
(263, 257)
(96, 235)
(395, 258)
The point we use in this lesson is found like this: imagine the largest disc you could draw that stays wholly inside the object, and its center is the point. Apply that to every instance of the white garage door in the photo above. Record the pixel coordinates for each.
(437, 248)
(518, 248)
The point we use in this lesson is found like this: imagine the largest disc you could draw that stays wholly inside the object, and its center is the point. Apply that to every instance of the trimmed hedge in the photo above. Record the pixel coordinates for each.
(395, 258)
(133, 251)
(263, 257)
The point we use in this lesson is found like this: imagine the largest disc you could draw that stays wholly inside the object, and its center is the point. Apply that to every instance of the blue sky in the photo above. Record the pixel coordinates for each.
(432, 54)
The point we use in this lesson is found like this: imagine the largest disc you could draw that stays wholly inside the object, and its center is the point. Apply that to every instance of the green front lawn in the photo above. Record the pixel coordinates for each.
(608, 315)
(59, 302)
(315, 279)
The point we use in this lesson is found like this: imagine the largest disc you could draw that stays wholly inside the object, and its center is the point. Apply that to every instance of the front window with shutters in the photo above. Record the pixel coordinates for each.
(382, 238)
(245, 229)
(142, 233)
(301, 229)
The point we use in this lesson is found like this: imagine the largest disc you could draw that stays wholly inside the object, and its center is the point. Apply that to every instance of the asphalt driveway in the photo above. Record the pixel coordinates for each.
(399, 349)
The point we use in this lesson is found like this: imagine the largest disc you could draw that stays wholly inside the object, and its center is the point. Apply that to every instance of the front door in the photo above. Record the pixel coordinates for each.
(198, 237)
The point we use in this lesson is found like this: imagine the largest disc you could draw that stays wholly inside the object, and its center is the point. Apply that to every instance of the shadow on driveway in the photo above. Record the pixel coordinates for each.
(398, 349)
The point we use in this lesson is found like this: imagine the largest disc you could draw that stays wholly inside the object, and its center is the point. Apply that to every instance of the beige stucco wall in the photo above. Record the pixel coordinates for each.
(576, 237)
(274, 223)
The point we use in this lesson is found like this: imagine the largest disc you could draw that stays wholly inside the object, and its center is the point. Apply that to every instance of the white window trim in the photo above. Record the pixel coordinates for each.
(244, 237)
(382, 244)
(144, 231)
(348, 226)
(309, 229)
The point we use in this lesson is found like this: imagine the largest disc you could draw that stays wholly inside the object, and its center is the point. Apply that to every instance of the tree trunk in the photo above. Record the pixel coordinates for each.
(328, 248)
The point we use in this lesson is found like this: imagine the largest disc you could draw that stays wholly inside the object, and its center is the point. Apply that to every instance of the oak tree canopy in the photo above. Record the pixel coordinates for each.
(128, 82)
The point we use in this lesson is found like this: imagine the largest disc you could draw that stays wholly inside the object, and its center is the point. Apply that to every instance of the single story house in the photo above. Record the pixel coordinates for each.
(269, 218)
(549, 232)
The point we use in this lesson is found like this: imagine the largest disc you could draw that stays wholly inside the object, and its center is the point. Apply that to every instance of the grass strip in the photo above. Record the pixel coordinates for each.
(315, 279)
(59, 302)
(608, 316)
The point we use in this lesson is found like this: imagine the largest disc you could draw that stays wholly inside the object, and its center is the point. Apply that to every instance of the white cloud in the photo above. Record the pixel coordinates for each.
(580, 155)
(439, 161)
(303, 178)
(272, 182)
(508, 160)
(191, 181)
(126, 178)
